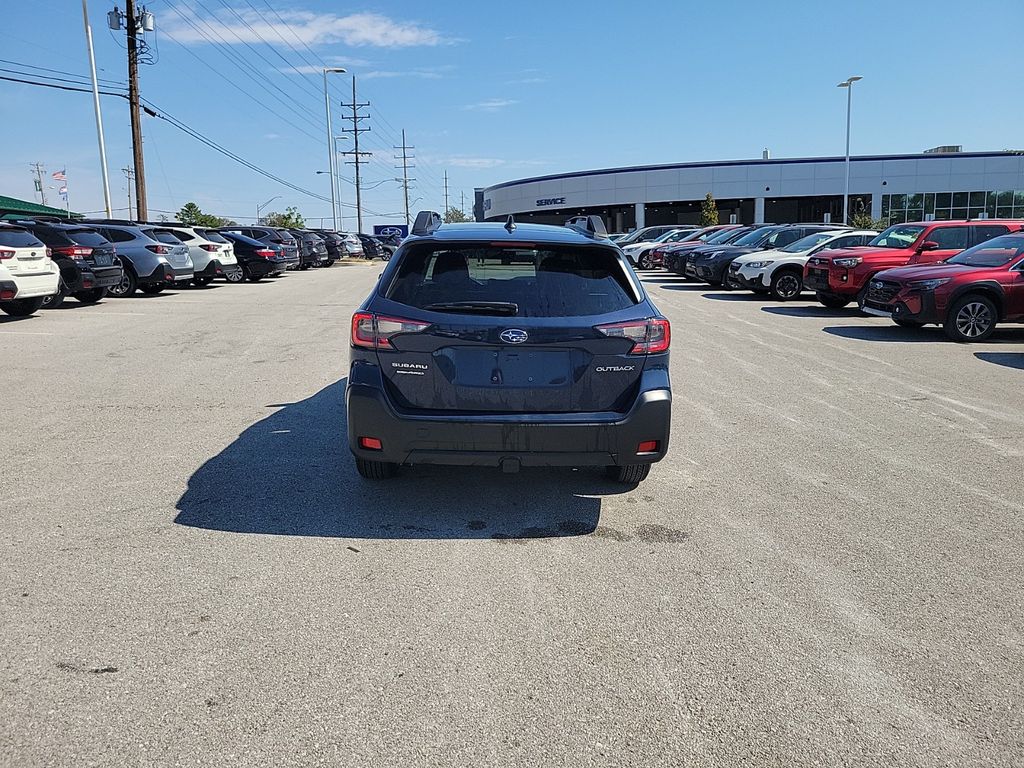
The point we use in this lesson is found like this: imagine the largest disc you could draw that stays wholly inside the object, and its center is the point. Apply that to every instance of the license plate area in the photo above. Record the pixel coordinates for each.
(509, 368)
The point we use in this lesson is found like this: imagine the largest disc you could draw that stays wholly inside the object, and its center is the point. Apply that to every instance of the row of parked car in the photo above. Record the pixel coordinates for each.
(965, 275)
(44, 260)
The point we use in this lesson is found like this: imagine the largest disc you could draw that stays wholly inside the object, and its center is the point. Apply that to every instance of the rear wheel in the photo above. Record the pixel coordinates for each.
(832, 302)
(375, 470)
(22, 307)
(630, 474)
(128, 285)
(786, 285)
(91, 296)
(153, 288)
(972, 318)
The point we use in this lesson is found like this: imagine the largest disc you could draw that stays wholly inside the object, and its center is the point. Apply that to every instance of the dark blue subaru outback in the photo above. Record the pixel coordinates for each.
(515, 345)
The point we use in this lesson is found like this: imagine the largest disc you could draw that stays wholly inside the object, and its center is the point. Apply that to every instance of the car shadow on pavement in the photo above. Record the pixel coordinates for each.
(5, 318)
(813, 311)
(929, 333)
(1008, 359)
(292, 474)
(728, 296)
(681, 286)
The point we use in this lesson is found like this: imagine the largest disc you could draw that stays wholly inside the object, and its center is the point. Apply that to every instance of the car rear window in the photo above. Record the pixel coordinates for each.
(163, 236)
(19, 238)
(89, 237)
(548, 281)
(213, 237)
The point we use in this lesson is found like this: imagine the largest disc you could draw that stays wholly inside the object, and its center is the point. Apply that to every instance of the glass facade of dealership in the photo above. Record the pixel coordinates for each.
(953, 205)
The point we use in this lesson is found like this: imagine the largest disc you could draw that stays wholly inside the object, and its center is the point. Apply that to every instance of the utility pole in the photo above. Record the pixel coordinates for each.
(356, 154)
(37, 168)
(134, 26)
(462, 207)
(446, 193)
(129, 174)
(405, 157)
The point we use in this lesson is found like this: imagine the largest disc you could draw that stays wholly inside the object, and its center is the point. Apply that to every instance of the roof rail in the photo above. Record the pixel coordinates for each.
(426, 222)
(591, 226)
(125, 222)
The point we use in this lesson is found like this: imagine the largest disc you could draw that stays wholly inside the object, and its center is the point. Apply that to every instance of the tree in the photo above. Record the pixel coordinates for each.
(454, 215)
(192, 215)
(708, 211)
(290, 219)
(863, 220)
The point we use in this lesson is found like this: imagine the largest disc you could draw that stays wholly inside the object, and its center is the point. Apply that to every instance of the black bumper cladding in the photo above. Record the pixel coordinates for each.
(545, 440)
(106, 277)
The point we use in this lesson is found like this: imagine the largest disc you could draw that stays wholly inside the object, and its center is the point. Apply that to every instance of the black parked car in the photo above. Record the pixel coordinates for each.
(371, 248)
(312, 251)
(87, 260)
(258, 259)
(335, 245)
(675, 256)
(280, 238)
(509, 346)
(710, 263)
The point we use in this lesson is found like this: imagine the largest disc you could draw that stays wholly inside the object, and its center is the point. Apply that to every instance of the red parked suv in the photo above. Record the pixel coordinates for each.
(841, 276)
(967, 295)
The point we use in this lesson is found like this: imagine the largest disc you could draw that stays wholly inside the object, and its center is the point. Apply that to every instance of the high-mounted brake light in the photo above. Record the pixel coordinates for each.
(648, 336)
(375, 331)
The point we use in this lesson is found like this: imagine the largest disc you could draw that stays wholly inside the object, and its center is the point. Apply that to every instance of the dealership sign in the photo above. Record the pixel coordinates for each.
(389, 230)
(550, 201)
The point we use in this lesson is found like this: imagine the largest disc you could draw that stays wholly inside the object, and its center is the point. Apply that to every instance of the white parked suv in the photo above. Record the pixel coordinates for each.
(640, 253)
(212, 255)
(27, 273)
(781, 272)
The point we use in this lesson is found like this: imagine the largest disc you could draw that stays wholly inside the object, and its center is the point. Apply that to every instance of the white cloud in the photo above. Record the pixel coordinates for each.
(527, 81)
(271, 136)
(491, 105)
(356, 29)
(421, 73)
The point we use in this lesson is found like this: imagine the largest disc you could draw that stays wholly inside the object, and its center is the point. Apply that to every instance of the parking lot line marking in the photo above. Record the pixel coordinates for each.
(27, 333)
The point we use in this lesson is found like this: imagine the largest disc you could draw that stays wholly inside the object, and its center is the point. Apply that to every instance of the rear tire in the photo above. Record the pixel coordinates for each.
(91, 296)
(972, 318)
(375, 470)
(22, 307)
(832, 302)
(630, 474)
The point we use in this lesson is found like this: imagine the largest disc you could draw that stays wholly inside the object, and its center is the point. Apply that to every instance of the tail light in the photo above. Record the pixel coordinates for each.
(74, 252)
(163, 250)
(648, 336)
(210, 247)
(266, 253)
(375, 331)
(6, 255)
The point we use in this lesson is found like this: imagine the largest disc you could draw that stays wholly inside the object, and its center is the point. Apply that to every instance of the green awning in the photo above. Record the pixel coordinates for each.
(12, 205)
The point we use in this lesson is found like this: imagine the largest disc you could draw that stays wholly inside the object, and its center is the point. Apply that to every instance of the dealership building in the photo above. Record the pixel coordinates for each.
(942, 183)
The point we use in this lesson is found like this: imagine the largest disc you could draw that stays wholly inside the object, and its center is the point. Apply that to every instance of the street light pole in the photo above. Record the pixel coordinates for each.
(848, 85)
(99, 114)
(261, 206)
(330, 145)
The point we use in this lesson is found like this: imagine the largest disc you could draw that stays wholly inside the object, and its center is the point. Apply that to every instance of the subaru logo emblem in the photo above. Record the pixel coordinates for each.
(514, 336)
(876, 284)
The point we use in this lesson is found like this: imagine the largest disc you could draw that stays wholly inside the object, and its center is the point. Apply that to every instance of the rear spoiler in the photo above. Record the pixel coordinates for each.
(592, 226)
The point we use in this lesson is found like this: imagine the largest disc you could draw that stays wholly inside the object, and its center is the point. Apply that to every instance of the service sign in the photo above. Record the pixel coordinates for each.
(550, 201)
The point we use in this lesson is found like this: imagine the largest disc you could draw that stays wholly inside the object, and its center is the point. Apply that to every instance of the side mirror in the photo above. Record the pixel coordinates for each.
(928, 245)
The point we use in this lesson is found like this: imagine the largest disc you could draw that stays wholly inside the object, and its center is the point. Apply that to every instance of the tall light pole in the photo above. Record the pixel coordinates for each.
(848, 85)
(261, 206)
(99, 115)
(330, 143)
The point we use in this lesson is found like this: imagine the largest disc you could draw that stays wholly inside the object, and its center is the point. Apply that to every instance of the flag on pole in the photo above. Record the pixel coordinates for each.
(60, 175)
(64, 190)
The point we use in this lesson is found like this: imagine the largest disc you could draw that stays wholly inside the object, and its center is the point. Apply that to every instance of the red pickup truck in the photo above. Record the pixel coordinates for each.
(841, 277)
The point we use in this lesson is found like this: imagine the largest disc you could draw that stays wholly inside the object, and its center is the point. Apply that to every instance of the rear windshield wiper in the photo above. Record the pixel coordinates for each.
(475, 307)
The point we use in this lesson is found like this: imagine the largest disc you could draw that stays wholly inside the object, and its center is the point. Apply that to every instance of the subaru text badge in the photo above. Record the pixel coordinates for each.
(513, 336)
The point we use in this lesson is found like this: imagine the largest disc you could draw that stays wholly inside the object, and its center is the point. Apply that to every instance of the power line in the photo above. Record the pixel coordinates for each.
(104, 80)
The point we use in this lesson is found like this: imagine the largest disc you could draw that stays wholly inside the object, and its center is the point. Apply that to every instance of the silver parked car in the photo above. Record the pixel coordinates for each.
(149, 264)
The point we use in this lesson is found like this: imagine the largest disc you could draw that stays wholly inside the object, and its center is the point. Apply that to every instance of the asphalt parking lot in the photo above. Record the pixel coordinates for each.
(826, 571)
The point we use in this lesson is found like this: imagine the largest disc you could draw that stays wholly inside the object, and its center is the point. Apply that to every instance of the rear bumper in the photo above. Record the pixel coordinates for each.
(31, 286)
(531, 440)
(164, 273)
(266, 267)
(106, 277)
(211, 270)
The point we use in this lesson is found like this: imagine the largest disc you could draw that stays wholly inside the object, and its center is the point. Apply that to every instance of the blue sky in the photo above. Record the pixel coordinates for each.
(492, 92)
